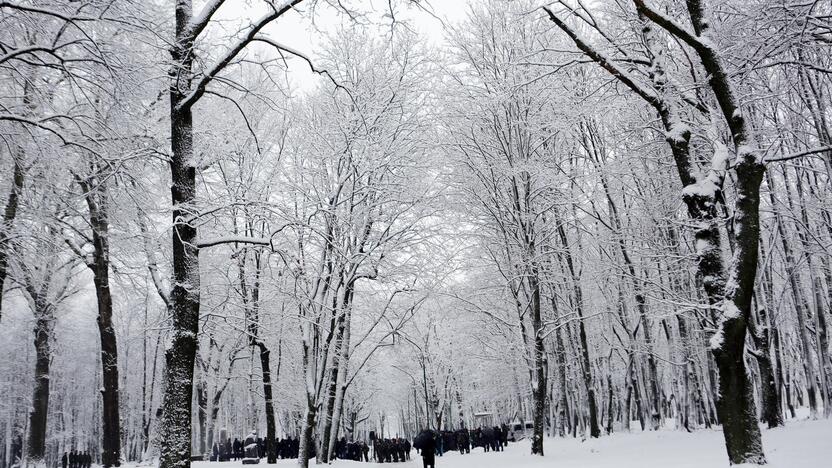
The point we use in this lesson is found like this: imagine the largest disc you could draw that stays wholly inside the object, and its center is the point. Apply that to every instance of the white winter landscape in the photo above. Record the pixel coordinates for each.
(802, 444)
(436, 233)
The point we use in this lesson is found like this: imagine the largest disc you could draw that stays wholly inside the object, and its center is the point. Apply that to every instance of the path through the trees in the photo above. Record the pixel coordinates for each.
(801, 444)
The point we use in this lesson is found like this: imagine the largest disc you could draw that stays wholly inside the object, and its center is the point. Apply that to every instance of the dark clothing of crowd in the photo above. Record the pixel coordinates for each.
(392, 450)
(228, 450)
(77, 459)
(355, 450)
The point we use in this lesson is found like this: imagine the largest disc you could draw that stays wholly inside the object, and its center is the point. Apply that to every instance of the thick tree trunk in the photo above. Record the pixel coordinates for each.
(736, 408)
(97, 197)
(111, 429)
(40, 396)
(307, 429)
(184, 296)
(265, 366)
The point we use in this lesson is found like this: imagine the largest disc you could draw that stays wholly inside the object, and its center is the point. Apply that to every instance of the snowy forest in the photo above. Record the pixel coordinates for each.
(594, 226)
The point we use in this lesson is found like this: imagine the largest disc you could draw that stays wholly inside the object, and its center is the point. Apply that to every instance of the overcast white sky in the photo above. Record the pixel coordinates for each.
(297, 29)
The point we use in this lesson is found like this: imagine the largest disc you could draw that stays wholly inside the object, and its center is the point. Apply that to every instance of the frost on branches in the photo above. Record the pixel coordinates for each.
(492, 222)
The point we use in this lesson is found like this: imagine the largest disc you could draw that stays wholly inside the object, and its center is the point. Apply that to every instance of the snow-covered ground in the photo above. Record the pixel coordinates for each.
(801, 444)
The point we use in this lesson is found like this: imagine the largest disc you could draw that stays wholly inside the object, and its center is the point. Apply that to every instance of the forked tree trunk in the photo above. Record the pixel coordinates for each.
(343, 363)
(97, 197)
(736, 407)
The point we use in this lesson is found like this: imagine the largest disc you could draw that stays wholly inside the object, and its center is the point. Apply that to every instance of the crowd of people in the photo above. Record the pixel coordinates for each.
(384, 450)
(392, 450)
(234, 450)
(491, 439)
(432, 443)
(76, 459)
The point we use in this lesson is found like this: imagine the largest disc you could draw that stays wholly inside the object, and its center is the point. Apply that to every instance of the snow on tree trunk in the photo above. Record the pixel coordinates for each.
(184, 296)
(36, 448)
(98, 203)
(9, 215)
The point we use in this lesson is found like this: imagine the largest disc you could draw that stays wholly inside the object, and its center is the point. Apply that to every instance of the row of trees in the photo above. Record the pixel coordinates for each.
(581, 133)
(628, 201)
(293, 221)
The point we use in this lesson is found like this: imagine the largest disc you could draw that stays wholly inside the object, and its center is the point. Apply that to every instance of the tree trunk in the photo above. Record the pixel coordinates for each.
(271, 454)
(768, 385)
(560, 358)
(762, 337)
(343, 363)
(330, 396)
(307, 429)
(540, 371)
(736, 408)
(586, 368)
(40, 396)
(97, 197)
(184, 296)
(9, 215)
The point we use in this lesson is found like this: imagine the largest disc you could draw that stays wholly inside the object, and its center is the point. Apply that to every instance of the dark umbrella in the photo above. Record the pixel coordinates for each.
(423, 438)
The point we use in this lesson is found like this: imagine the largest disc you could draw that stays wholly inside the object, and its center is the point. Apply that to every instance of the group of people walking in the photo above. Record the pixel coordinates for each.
(76, 459)
(232, 451)
(431, 443)
(392, 450)
(353, 450)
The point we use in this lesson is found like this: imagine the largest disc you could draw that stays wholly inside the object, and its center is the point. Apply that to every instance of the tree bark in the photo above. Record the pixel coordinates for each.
(40, 396)
(736, 405)
(540, 371)
(97, 197)
(586, 369)
(184, 296)
(9, 215)
(265, 366)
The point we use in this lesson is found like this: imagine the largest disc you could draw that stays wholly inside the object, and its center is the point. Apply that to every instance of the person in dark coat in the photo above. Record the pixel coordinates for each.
(73, 459)
(64, 460)
(504, 432)
(428, 451)
(237, 449)
(365, 450)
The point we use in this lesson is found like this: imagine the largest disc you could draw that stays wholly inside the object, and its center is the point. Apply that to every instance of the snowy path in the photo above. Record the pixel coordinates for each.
(802, 444)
